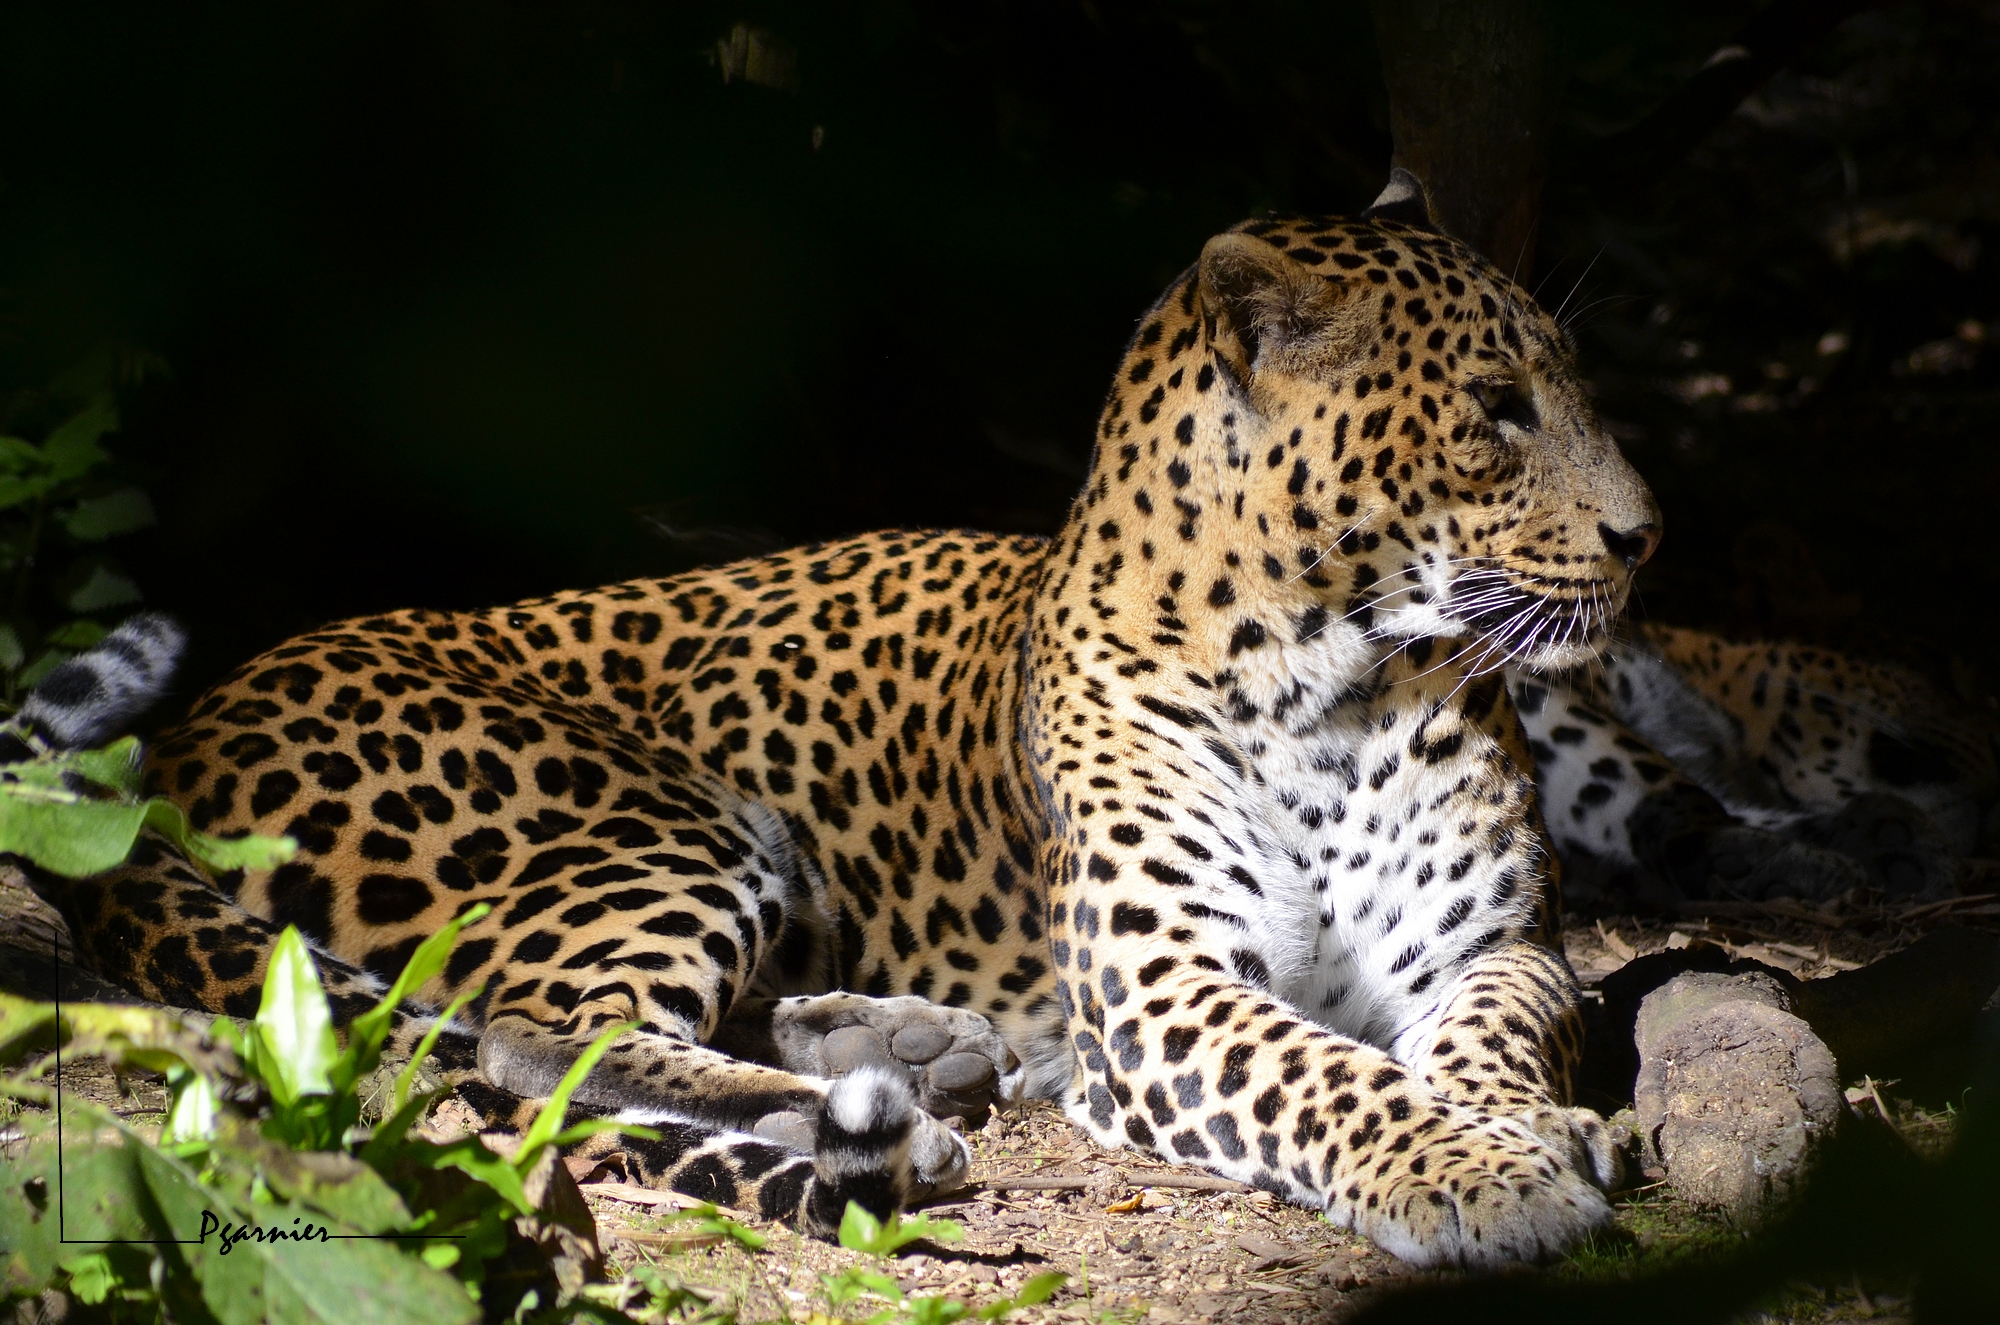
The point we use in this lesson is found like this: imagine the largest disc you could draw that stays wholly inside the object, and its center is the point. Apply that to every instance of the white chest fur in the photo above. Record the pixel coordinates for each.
(1388, 856)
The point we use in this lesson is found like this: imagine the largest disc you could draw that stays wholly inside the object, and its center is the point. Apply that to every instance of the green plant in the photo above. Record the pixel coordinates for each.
(862, 1232)
(61, 501)
(651, 1295)
(263, 1150)
(78, 813)
(707, 1219)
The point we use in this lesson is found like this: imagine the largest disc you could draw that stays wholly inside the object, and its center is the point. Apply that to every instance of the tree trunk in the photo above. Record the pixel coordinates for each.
(1473, 88)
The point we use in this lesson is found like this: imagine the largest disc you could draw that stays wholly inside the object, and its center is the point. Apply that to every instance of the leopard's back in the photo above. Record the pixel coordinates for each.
(547, 756)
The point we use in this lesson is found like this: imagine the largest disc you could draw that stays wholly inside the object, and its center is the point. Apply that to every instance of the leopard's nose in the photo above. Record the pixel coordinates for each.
(1634, 545)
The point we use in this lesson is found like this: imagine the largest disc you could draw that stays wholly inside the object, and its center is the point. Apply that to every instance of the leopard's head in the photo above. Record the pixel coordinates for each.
(1410, 430)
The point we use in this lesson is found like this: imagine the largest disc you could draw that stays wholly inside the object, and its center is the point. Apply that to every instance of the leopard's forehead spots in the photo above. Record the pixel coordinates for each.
(1423, 276)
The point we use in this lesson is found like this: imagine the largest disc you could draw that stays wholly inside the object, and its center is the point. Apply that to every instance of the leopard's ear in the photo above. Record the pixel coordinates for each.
(1405, 199)
(1259, 307)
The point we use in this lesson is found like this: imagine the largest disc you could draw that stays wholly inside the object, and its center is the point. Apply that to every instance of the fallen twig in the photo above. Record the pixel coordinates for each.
(1072, 1182)
(683, 1240)
(633, 1194)
(1026, 1182)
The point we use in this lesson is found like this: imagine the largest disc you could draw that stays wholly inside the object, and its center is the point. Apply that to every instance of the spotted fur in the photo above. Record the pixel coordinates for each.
(1757, 769)
(1211, 816)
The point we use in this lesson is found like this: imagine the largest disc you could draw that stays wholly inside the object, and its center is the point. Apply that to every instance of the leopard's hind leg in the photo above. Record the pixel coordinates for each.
(161, 928)
(1608, 792)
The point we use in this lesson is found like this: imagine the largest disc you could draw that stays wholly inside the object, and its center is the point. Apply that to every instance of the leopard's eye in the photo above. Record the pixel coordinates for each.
(1505, 401)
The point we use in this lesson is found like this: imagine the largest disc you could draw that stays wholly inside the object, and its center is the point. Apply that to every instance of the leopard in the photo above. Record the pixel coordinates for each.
(1213, 817)
(1684, 765)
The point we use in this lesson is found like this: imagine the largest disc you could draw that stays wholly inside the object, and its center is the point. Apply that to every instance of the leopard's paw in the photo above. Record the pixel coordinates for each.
(1477, 1193)
(1747, 863)
(958, 1063)
(1584, 1141)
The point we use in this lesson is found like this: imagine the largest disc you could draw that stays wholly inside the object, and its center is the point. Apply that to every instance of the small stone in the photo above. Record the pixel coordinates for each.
(855, 1046)
(920, 1043)
(1264, 1249)
(957, 1072)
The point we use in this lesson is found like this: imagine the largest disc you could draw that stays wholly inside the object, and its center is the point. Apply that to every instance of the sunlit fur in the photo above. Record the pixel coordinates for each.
(1426, 422)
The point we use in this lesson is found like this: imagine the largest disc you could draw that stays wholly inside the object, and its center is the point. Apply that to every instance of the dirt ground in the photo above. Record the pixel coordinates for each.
(1141, 1240)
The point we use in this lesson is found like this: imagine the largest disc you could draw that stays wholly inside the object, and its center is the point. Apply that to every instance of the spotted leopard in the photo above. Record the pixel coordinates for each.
(1211, 816)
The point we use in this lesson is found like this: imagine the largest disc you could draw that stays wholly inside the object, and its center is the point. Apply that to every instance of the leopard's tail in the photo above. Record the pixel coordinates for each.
(93, 697)
(861, 1152)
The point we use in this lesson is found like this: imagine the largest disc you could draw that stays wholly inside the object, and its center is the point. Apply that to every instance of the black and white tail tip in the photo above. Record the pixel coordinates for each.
(93, 697)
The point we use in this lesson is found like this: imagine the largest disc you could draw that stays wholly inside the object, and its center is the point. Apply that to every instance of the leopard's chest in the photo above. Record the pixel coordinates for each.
(1385, 858)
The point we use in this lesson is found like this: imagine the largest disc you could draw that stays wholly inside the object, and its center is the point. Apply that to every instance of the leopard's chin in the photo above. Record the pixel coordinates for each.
(1560, 657)
(1517, 622)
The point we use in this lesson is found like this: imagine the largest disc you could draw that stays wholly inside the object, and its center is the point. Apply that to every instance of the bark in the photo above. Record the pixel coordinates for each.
(1473, 88)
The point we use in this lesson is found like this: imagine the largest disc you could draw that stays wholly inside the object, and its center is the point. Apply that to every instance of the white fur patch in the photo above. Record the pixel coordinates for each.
(870, 1097)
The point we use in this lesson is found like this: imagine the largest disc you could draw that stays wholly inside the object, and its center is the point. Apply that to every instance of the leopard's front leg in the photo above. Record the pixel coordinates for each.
(1248, 963)
(1505, 1041)
(1205, 1069)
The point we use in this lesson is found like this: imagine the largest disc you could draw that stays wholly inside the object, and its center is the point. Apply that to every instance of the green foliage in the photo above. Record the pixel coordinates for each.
(264, 1199)
(649, 1295)
(862, 1232)
(61, 500)
(707, 1219)
(78, 813)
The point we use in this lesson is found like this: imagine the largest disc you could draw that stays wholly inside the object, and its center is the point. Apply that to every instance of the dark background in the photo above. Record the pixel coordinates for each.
(466, 302)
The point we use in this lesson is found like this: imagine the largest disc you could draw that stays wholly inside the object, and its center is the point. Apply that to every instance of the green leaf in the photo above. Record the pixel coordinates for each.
(217, 853)
(43, 820)
(155, 1039)
(408, 1075)
(877, 1282)
(104, 588)
(590, 1127)
(50, 659)
(859, 1230)
(17, 491)
(115, 766)
(296, 1046)
(75, 635)
(68, 835)
(549, 1121)
(103, 1199)
(935, 1310)
(96, 518)
(91, 1277)
(12, 655)
(191, 1108)
(19, 456)
(361, 1281)
(329, 1181)
(71, 451)
(1040, 1288)
(366, 1032)
(128, 1190)
(470, 1156)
